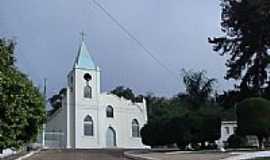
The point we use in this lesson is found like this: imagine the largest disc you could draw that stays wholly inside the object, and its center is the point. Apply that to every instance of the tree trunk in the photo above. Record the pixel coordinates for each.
(261, 145)
(203, 145)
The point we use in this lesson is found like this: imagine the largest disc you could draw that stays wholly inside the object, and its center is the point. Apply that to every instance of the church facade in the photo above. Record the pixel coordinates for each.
(91, 119)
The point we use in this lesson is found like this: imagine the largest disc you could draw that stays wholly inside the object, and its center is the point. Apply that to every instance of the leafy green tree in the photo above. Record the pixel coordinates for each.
(198, 88)
(22, 109)
(179, 131)
(166, 131)
(253, 118)
(190, 117)
(157, 108)
(206, 123)
(246, 42)
(127, 93)
(157, 139)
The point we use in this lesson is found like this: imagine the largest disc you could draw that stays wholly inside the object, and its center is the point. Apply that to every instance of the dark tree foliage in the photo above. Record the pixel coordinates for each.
(127, 93)
(198, 88)
(246, 24)
(236, 141)
(166, 131)
(191, 117)
(253, 118)
(22, 109)
(179, 131)
(231, 97)
(182, 130)
(157, 107)
(56, 100)
(204, 127)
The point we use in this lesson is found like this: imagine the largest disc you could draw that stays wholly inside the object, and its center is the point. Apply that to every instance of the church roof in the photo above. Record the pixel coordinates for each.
(84, 59)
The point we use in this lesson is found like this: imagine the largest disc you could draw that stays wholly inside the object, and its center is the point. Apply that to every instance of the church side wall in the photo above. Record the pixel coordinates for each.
(57, 123)
(124, 112)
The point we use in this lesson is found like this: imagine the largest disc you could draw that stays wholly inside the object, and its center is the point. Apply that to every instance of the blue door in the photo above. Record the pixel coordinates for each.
(110, 138)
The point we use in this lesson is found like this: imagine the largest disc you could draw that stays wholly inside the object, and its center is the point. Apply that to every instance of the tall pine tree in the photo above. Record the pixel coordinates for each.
(246, 43)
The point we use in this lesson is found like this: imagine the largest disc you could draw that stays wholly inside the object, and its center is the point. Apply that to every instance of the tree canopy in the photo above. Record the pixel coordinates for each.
(187, 118)
(22, 109)
(246, 24)
(56, 100)
(253, 118)
(199, 88)
(121, 91)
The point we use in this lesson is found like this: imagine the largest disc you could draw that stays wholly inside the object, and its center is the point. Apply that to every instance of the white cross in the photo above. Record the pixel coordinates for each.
(83, 35)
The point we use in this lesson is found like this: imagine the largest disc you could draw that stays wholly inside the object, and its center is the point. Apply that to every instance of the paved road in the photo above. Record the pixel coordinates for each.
(79, 155)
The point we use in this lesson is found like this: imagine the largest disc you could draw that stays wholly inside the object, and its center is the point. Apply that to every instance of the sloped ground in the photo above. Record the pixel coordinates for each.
(208, 155)
(186, 156)
(70, 154)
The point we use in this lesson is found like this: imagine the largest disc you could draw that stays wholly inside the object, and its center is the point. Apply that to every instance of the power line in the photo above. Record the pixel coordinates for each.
(130, 35)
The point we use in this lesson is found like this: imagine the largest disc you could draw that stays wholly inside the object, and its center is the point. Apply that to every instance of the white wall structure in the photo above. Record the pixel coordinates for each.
(227, 129)
(7, 152)
(91, 119)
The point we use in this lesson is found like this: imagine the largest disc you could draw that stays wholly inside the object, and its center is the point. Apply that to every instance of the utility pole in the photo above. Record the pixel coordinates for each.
(45, 101)
(45, 89)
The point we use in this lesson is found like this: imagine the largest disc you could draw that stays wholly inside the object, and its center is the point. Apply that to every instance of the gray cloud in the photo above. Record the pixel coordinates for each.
(47, 33)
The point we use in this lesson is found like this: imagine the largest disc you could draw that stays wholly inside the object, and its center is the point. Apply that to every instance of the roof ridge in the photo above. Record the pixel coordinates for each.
(84, 59)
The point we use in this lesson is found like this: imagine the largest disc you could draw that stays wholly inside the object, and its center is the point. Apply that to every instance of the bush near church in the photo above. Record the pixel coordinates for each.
(253, 118)
(236, 141)
(184, 130)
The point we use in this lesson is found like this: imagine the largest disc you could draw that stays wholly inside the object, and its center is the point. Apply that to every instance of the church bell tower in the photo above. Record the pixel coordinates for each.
(83, 96)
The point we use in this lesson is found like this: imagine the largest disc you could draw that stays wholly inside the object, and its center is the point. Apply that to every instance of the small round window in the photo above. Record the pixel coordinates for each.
(87, 77)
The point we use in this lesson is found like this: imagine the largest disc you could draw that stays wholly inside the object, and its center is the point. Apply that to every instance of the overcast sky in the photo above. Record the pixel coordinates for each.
(176, 31)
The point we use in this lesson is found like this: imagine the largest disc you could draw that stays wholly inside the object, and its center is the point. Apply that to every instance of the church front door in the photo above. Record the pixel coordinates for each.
(110, 138)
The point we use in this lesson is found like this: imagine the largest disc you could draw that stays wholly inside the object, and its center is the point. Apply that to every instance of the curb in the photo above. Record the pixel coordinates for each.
(28, 155)
(132, 155)
(246, 156)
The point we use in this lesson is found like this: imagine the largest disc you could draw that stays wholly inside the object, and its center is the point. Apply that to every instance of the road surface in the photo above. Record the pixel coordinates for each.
(70, 154)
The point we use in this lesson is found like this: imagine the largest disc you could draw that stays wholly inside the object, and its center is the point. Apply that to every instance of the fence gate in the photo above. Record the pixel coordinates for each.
(54, 140)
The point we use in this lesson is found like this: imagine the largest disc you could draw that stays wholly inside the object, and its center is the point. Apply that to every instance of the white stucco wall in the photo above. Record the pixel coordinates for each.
(124, 112)
(227, 125)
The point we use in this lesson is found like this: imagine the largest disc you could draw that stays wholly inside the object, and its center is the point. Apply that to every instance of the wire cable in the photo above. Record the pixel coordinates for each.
(130, 35)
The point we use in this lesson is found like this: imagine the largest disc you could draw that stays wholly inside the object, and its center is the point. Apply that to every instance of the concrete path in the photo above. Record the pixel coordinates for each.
(185, 156)
(243, 156)
(204, 156)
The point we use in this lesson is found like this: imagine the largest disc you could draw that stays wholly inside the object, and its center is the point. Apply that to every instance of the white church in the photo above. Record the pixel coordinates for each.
(91, 119)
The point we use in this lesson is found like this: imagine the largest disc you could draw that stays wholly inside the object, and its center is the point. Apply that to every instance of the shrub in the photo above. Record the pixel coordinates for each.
(253, 118)
(236, 141)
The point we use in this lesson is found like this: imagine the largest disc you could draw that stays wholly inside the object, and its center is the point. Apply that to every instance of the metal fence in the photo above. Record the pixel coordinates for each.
(54, 140)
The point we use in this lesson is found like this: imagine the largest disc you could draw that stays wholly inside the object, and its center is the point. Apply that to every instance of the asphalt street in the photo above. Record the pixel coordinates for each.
(70, 154)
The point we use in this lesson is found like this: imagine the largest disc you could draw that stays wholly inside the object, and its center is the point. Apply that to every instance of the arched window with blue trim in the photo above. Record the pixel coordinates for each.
(88, 126)
(87, 92)
(135, 128)
(109, 111)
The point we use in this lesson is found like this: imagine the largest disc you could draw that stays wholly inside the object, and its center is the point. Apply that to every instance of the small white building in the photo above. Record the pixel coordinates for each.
(91, 119)
(227, 129)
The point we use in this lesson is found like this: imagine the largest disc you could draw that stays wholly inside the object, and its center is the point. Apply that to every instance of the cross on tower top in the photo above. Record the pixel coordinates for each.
(83, 35)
